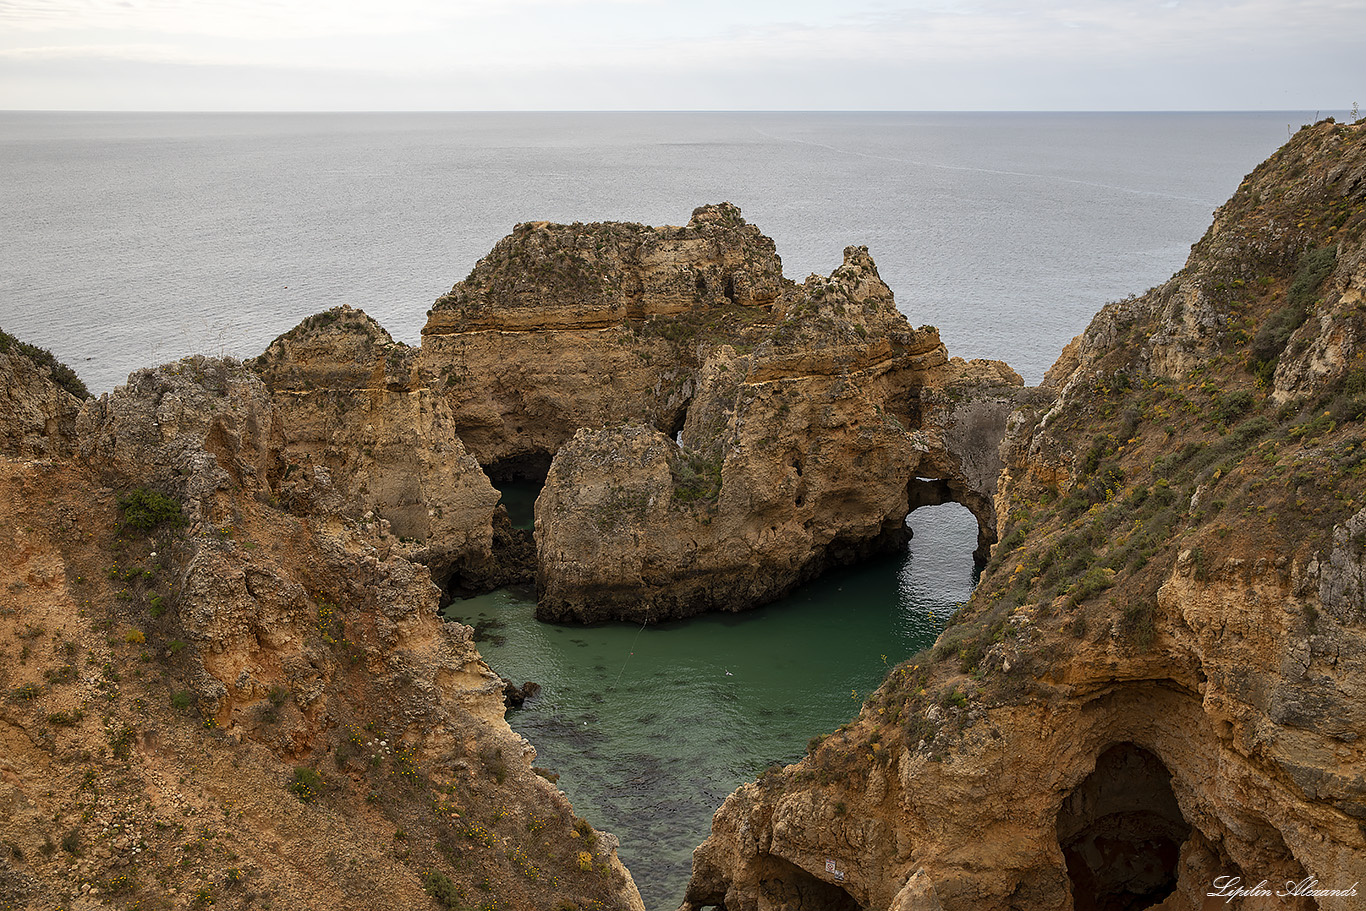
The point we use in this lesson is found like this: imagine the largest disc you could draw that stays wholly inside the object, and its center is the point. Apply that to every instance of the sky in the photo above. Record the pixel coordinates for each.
(994, 55)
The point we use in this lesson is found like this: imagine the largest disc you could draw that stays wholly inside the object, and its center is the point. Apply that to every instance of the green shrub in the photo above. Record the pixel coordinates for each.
(1137, 622)
(1093, 583)
(307, 784)
(442, 890)
(145, 509)
(1275, 332)
(696, 476)
(1229, 408)
(27, 693)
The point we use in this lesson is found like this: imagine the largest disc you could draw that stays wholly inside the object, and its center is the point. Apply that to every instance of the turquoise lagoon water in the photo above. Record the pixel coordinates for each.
(650, 727)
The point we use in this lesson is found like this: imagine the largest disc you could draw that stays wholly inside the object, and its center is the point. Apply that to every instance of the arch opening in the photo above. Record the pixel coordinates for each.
(519, 479)
(924, 490)
(939, 568)
(1121, 832)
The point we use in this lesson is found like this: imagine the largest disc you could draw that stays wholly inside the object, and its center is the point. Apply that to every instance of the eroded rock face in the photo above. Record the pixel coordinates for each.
(538, 341)
(354, 408)
(189, 429)
(304, 642)
(1158, 680)
(802, 453)
(37, 417)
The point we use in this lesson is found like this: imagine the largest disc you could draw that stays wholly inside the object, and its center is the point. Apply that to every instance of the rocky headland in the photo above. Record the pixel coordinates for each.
(225, 680)
(1159, 679)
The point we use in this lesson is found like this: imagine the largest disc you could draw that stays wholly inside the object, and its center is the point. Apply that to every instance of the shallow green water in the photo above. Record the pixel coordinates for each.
(651, 727)
(519, 498)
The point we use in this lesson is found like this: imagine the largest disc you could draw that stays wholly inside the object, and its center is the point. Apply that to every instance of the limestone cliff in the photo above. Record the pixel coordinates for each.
(803, 448)
(208, 699)
(363, 433)
(538, 341)
(39, 401)
(1158, 680)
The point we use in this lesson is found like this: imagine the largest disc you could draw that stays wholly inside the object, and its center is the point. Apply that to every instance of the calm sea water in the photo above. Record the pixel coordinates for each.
(650, 727)
(130, 239)
(136, 239)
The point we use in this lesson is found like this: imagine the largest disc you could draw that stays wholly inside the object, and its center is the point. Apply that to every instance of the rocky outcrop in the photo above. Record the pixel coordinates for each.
(710, 434)
(37, 415)
(1158, 679)
(189, 429)
(364, 434)
(563, 327)
(281, 674)
(801, 451)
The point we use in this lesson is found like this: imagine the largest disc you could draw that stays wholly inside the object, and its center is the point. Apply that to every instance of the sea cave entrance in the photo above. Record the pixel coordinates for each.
(519, 480)
(1121, 833)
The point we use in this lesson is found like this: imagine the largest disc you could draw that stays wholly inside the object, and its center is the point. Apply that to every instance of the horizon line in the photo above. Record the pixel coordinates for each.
(1318, 111)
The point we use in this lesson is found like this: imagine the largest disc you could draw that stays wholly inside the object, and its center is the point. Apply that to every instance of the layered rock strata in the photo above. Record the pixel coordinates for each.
(363, 433)
(539, 341)
(801, 451)
(1157, 686)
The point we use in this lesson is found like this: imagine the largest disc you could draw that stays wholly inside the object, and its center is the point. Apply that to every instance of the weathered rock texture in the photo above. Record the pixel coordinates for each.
(539, 341)
(37, 416)
(1159, 679)
(220, 701)
(355, 411)
(802, 449)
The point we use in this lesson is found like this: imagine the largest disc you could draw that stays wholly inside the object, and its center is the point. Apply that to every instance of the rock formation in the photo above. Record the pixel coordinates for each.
(364, 434)
(210, 699)
(37, 409)
(224, 679)
(710, 433)
(539, 341)
(1158, 681)
(802, 450)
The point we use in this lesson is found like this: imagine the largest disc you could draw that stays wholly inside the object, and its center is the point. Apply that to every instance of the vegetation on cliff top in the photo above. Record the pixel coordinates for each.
(1213, 464)
(61, 374)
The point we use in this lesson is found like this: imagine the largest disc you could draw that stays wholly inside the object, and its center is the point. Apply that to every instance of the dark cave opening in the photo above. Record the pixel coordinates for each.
(673, 427)
(1121, 832)
(787, 885)
(519, 479)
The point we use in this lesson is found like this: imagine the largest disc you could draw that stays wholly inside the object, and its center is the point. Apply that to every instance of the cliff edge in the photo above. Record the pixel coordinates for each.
(209, 699)
(1158, 681)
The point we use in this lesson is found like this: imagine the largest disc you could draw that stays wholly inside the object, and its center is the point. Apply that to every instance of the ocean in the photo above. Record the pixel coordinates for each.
(134, 239)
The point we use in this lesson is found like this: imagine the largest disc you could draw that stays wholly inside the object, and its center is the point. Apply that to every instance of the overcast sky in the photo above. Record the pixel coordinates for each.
(682, 54)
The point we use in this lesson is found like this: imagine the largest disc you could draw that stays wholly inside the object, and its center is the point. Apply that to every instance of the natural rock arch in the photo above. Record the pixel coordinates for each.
(711, 434)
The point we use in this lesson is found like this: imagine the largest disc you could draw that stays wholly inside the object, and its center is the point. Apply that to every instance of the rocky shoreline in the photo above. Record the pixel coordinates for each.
(237, 567)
